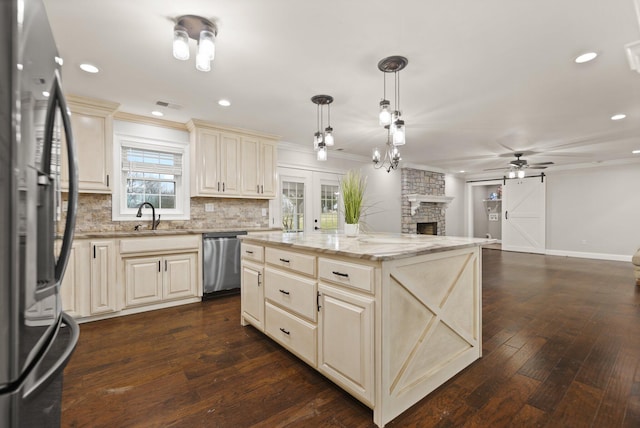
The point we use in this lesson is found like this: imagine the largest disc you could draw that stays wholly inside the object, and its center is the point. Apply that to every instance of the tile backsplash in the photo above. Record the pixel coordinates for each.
(94, 215)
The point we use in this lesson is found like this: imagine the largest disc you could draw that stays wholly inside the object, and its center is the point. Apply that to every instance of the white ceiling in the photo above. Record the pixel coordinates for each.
(485, 78)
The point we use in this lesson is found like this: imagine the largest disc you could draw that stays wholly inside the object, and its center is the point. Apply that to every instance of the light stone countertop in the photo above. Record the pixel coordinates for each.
(370, 246)
(116, 234)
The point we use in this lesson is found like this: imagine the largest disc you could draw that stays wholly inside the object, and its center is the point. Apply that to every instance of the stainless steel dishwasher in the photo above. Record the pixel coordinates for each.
(221, 263)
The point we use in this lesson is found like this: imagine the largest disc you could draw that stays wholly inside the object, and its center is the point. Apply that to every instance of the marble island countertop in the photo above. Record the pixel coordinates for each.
(371, 246)
(161, 232)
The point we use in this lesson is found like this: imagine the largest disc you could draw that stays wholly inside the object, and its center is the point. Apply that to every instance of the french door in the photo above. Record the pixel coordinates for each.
(308, 201)
(523, 215)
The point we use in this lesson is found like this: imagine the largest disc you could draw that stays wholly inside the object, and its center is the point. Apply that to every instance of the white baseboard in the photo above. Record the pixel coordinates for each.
(597, 256)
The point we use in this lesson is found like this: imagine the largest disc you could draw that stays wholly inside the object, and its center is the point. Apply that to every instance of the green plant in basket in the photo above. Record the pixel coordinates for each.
(353, 186)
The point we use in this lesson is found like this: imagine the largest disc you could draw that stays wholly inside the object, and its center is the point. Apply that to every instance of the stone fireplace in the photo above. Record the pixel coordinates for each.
(423, 200)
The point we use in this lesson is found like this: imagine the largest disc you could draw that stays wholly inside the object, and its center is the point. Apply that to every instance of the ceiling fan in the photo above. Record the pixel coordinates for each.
(519, 164)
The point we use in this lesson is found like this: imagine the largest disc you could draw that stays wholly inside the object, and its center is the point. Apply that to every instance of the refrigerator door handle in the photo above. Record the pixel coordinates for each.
(58, 100)
(62, 360)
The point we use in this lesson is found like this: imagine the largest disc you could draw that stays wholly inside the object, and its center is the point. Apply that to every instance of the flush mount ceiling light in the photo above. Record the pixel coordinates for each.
(322, 138)
(196, 28)
(585, 57)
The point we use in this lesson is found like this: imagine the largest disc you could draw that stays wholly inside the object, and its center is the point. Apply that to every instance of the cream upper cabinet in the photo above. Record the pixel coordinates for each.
(231, 163)
(215, 161)
(259, 167)
(92, 127)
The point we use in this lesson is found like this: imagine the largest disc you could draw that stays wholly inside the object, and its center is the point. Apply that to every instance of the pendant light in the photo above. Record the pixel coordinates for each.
(196, 28)
(323, 137)
(387, 115)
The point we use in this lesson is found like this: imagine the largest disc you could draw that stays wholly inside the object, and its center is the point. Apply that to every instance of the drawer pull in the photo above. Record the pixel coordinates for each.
(284, 331)
(249, 252)
(284, 292)
(284, 260)
(346, 275)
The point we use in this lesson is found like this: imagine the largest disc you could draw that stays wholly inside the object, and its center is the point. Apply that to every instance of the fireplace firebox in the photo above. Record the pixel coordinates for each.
(428, 228)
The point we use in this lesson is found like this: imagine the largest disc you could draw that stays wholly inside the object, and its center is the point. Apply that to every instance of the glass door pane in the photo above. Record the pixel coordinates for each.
(329, 207)
(292, 201)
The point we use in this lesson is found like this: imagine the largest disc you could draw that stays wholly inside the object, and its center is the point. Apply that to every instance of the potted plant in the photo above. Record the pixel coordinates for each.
(353, 186)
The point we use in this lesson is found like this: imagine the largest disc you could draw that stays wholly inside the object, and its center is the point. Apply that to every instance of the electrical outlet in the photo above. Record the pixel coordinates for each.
(208, 207)
(264, 212)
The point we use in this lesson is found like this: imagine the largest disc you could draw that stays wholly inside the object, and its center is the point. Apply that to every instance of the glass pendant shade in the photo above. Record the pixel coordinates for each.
(206, 44)
(521, 173)
(203, 63)
(322, 153)
(384, 117)
(180, 44)
(317, 139)
(399, 134)
(512, 174)
(328, 136)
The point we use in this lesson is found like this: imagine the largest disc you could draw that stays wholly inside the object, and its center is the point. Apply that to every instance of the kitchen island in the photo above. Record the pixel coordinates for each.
(387, 317)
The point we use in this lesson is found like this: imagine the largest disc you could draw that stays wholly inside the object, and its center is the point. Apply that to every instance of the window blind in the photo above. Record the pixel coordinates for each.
(139, 160)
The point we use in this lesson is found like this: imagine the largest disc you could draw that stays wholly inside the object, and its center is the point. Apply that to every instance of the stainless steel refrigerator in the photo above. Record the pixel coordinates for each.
(36, 227)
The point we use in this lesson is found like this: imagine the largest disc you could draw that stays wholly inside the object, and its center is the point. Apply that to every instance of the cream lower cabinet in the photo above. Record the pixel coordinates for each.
(74, 278)
(317, 308)
(102, 283)
(156, 279)
(89, 285)
(345, 343)
(252, 295)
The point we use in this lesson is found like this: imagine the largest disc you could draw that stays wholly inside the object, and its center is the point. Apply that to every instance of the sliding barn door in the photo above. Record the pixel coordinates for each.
(523, 215)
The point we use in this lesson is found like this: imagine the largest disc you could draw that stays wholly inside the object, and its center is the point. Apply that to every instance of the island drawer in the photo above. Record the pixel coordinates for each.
(296, 262)
(292, 292)
(347, 274)
(295, 334)
(252, 252)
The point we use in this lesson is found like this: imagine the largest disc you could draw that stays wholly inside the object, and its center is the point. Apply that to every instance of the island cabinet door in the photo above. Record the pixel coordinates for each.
(345, 343)
(252, 295)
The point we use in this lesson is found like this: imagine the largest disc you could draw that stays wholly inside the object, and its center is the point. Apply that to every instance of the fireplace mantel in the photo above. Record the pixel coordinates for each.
(416, 199)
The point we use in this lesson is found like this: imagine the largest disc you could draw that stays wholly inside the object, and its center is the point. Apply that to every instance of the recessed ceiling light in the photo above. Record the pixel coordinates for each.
(224, 103)
(618, 116)
(45, 94)
(89, 68)
(586, 57)
(461, 172)
(157, 113)
(636, 152)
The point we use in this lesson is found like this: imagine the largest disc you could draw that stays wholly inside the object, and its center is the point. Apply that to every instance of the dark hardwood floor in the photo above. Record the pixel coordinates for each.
(561, 343)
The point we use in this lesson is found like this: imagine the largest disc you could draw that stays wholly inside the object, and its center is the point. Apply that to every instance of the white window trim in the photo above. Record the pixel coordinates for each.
(119, 210)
